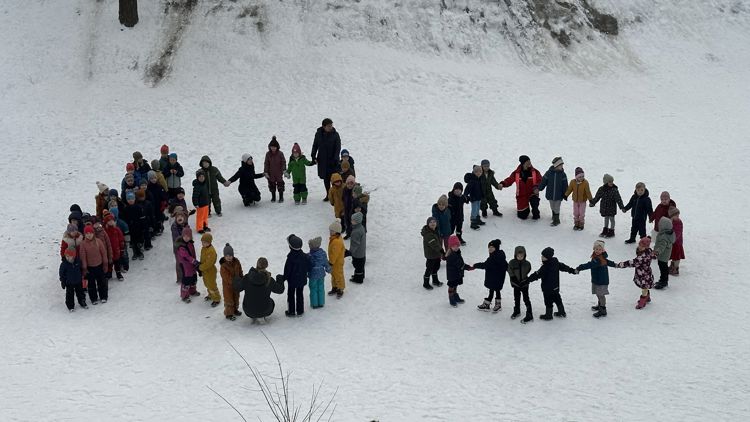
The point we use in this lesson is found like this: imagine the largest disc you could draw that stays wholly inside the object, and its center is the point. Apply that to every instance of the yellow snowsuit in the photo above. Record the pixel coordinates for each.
(336, 196)
(336, 259)
(208, 268)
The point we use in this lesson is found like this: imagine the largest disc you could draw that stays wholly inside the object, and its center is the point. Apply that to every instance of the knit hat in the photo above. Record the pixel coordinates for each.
(431, 219)
(557, 161)
(180, 190)
(494, 243)
(548, 252)
(579, 171)
(206, 237)
(357, 218)
(315, 242)
(164, 149)
(673, 211)
(458, 186)
(137, 156)
(108, 217)
(294, 242)
(645, 242)
(608, 178)
(262, 263)
(485, 162)
(357, 190)
(600, 243)
(75, 215)
(72, 228)
(273, 143)
(246, 157)
(640, 185)
(102, 187)
(453, 241)
(187, 231)
(140, 195)
(151, 175)
(200, 172)
(155, 165)
(296, 148)
(75, 207)
(130, 195)
(524, 158)
(113, 193)
(443, 200)
(335, 226)
(70, 252)
(665, 223)
(144, 183)
(228, 250)
(115, 212)
(344, 152)
(178, 210)
(173, 155)
(88, 229)
(129, 167)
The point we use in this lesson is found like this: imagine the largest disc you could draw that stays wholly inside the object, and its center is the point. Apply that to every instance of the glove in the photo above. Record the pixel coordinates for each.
(591, 204)
(287, 175)
(313, 162)
(200, 273)
(470, 268)
(279, 278)
(442, 257)
(347, 253)
(191, 212)
(62, 284)
(227, 183)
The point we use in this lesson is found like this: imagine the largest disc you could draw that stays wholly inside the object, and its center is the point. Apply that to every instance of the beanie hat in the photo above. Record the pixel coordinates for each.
(262, 263)
(673, 211)
(200, 172)
(274, 143)
(443, 200)
(228, 250)
(608, 178)
(129, 167)
(141, 194)
(296, 148)
(485, 162)
(102, 187)
(548, 252)
(357, 218)
(113, 192)
(75, 207)
(179, 210)
(524, 158)
(109, 217)
(155, 165)
(600, 243)
(357, 190)
(144, 182)
(315, 242)
(344, 152)
(557, 161)
(173, 155)
(164, 149)
(75, 215)
(151, 175)
(458, 186)
(579, 171)
(70, 252)
(206, 237)
(294, 242)
(495, 243)
(88, 229)
(453, 241)
(645, 242)
(335, 226)
(137, 156)
(431, 219)
(115, 212)
(130, 195)
(246, 157)
(72, 228)
(180, 190)
(640, 185)
(187, 231)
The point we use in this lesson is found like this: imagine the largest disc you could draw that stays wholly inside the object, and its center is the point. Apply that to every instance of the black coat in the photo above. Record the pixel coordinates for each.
(70, 273)
(201, 197)
(473, 189)
(495, 268)
(246, 175)
(325, 151)
(454, 268)
(549, 273)
(640, 206)
(456, 204)
(258, 286)
(296, 268)
(134, 216)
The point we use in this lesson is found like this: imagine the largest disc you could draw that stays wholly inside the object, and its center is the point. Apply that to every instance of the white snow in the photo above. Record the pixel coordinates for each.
(665, 102)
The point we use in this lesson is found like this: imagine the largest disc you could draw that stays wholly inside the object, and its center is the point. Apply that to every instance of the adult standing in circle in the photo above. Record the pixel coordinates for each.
(527, 180)
(325, 152)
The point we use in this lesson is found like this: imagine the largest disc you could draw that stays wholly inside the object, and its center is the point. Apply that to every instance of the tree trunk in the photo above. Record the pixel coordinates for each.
(129, 12)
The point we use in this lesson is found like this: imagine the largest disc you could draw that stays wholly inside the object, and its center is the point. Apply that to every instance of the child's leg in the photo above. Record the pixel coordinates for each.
(201, 218)
(102, 284)
(642, 228)
(516, 300)
(321, 288)
(557, 299)
(676, 263)
(80, 295)
(475, 209)
(601, 299)
(534, 203)
(579, 211)
(229, 304)
(663, 271)
(280, 185)
(312, 285)
(303, 191)
(184, 289)
(299, 292)
(216, 200)
(92, 288)
(555, 206)
(69, 292)
(290, 296)
(490, 296)
(209, 281)
(526, 299)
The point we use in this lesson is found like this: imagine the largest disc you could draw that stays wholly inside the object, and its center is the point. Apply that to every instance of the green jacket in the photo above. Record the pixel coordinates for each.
(213, 176)
(433, 246)
(296, 167)
(488, 182)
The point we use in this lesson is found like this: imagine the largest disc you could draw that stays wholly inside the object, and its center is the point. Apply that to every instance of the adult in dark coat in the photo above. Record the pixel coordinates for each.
(325, 152)
(495, 268)
(258, 285)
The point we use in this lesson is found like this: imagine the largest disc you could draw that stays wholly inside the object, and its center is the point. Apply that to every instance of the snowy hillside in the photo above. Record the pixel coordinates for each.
(419, 91)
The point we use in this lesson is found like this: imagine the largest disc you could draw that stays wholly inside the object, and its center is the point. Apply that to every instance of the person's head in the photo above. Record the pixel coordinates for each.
(357, 191)
(70, 254)
(442, 202)
(640, 188)
(130, 180)
(357, 218)
(187, 234)
(673, 213)
(557, 163)
(180, 194)
(458, 189)
(72, 229)
(644, 244)
(335, 228)
(137, 157)
(327, 125)
(200, 175)
(144, 183)
(179, 218)
(608, 180)
(580, 175)
(350, 182)
(109, 220)
(273, 146)
(599, 247)
(493, 246)
(432, 223)
(172, 158)
(88, 232)
(130, 197)
(345, 155)
(665, 198)
(315, 243)
(547, 253)
(205, 164)
(296, 150)
(336, 180)
(262, 263)
(294, 242)
(477, 170)
(525, 162)
(520, 253)
(454, 243)
(206, 239)
(98, 227)
(140, 195)
(247, 159)
(152, 176)
(485, 165)
(164, 150)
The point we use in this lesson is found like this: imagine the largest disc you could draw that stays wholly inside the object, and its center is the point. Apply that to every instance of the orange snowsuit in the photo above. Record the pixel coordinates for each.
(229, 271)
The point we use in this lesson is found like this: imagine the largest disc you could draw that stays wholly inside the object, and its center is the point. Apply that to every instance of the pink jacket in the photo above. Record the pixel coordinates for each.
(186, 257)
(93, 253)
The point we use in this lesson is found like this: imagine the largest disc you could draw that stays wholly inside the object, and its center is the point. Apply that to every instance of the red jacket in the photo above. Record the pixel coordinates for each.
(524, 190)
(116, 240)
(68, 241)
(659, 212)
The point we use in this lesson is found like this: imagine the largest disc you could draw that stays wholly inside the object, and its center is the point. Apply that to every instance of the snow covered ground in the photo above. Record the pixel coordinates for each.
(671, 110)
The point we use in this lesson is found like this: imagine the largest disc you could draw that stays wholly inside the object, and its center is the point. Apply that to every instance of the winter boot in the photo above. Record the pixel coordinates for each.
(547, 315)
(604, 232)
(555, 221)
(281, 196)
(273, 195)
(610, 233)
(560, 311)
(485, 306)
(460, 238)
(480, 222)
(435, 281)
(426, 284)
(119, 276)
(497, 306)
(496, 213)
(642, 302)
(602, 312)
(484, 213)
(231, 317)
(630, 241)
(474, 225)
(458, 298)
(452, 297)
(333, 291)
(580, 226)
(528, 318)
(516, 313)
(595, 308)
(661, 285)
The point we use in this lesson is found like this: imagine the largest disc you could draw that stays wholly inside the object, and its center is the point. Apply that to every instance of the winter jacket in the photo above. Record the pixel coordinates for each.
(71, 273)
(92, 253)
(296, 268)
(208, 263)
(336, 196)
(101, 204)
(639, 206)
(176, 230)
(157, 195)
(116, 241)
(246, 175)
(213, 176)
(258, 285)
(549, 273)
(443, 219)
(610, 197)
(358, 241)
(659, 212)
(136, 219)
(519, 270)
(554, 184)
(456, 206)
(677, 251)
(325, 151)
(351, 171)
(274, 165)
(126, 187)
(643, 277)
(186, 256)
(70, 242)
(296, 168)
(488, 181)
(201, 197)
(495, 268)
(599, 270)
(473, 189)
(664, 239)
(581, 191)
(104, 237)
(142, 170)
(348, 199)
(526, 181)
(173, 180)
(433, 247)
(319, 265)
(230, 271)
(163, 163)
(336, 252)
(454, 268)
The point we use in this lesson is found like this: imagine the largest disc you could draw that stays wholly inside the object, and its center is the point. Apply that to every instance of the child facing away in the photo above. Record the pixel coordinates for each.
(358, 248)
(101, 199)
(599, 277)
(173, 172)
(495, 267)
(258, 285)
(579, 188)
(549, 273)
(71, 280)
(102, 235)
(640, 206)
(474, 194)
(454, 268)
(433, 253)
(610, 199)
(207, 269)
(274, 167)
(347, 196)
(456, 201)
(246, 175)
(230, 268)
(554, 184)
(201, 201)
(336, 252)
(213, 178)
(488, 182)
(518, 270)
(296, 169)
(678, 253)
(336, 195)
(187, 259)
(442, 214)
(319, 266)
(94, 259)
(665, 238)
(296, 268)
(643, 277)
(123, 226)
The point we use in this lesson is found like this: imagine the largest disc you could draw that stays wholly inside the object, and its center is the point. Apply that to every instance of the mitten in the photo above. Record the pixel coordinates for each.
(62, 284)
(287, 175)
(347, 253)
(279, 278)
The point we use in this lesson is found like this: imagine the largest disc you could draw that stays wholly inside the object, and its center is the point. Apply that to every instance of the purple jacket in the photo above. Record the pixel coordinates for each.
(186, 256)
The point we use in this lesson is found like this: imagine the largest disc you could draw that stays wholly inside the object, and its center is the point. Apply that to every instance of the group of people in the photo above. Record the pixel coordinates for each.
(442, 236)
(94, 247)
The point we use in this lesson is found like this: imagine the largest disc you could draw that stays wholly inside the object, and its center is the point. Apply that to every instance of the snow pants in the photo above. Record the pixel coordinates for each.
(638, 226)
(201, 218)
(98, 287)
(432, 266)
(579, 212)
(231, 298)
(317, 293)
(533, 208)
(517, 293)
(78, 292)
(296, 300)
(187, 287)
(552, 297)
(300, 191)
(337, 277)
(209, 280)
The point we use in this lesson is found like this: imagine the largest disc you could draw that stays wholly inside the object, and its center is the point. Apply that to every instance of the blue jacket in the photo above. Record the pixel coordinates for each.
(640, 206)
(599, 271)
(557, 184)
(70, 273)
(296, 268)
(443, 219)
(319, 265)
(473, 190)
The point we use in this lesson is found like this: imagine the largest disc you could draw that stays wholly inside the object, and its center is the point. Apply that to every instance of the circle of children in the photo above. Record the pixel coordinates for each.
(442, 236)
(95, 246)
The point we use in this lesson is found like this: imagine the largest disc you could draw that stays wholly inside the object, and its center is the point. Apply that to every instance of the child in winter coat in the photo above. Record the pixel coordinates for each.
(347, 161)
(71, 280)
(230, 269)
(475, 195)
(442, 214)
(158, 198)
(213, 178)
(347, 196)
(640, 204)
(246, 175)
(581, 191)
(319, 266)
(610, 197)
(494, 275)
(678, 253)
(274, 167)
(297, 171)
(148, 217)
(187, 259)
(518, 270)
(173, 172)
(201, 200)
(336, 251)
(72, 239)
(346, 170)
(665, 238)
(361, 201)
(102, 235)
(141, 166)
(454, 268)
(661, 210)
(599, 277)
(357, 248)
(336, 195)
(101, 199)
(643, 277)
(117, 243)
(94, 259)
(130, 181)
(207, 269)
(557, 181)
(163, 159)
(178, 226)
(549, 273)
(123, 226)
(156, 168)
(296, 268)
(456, 201)
(488, 181)
(433, 252)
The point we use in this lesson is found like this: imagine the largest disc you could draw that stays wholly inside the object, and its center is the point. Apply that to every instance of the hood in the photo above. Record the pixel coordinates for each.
(426, 229)
(205, 158)
(257, 277)
(645, 192)
(197, 182)
(335, 177)
(458, 185)
(250, 166)
(519, 249)
(665, 223)
(321, 130)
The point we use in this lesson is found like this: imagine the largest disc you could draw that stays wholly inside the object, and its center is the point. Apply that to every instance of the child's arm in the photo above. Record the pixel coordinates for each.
(536, 275)
(586, 266)
(598, 196)
(480, 265)
(180, 170)
(219, 177)
(569, 190)
(565, 268)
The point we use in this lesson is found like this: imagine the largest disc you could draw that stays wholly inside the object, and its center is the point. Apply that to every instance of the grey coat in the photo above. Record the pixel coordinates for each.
(358, 241)
(664, 239)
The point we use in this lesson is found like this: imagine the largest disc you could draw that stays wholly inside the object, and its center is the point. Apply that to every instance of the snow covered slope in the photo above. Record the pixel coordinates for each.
(664, 102)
